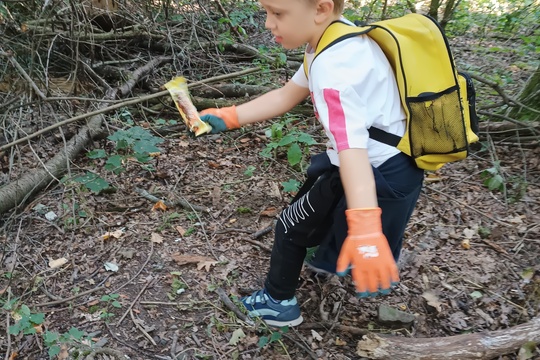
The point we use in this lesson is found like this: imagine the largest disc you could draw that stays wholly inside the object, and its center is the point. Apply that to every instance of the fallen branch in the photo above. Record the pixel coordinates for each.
(229, 304)
(151, 280)
(486, 345)
(61, 301)
(141, 329)
(23, 73)
(170, 204)
(119, 105)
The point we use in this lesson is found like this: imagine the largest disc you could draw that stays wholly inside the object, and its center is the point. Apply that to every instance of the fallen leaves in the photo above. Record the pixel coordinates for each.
(201, 261)
(115, 234)
(156, 238)
(159, 205)
(53, 264)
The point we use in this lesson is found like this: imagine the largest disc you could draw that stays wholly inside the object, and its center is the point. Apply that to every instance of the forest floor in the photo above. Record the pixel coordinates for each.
(144, 281)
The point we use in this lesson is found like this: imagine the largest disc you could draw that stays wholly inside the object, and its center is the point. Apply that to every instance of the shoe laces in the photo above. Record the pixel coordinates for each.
(252, 299)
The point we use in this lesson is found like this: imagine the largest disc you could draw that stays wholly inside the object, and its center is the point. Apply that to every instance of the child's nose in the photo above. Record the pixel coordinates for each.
(269, 24)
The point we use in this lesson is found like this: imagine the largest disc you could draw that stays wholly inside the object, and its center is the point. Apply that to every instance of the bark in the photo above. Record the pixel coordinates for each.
(18, 191)
(485, 345)
(530, 96)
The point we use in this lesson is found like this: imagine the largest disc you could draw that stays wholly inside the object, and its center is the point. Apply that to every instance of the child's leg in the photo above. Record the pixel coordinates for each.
(300, 226)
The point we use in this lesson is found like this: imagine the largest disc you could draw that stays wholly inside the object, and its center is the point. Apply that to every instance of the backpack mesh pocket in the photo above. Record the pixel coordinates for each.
(436, 124)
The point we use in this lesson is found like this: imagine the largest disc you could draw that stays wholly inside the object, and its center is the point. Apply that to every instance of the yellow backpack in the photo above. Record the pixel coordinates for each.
(439, 101)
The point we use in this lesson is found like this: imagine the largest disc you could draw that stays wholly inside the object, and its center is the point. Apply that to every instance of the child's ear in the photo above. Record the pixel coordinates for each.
(325, 9)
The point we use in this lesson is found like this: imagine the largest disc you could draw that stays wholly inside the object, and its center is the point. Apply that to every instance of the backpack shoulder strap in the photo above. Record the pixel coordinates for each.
(334, 33)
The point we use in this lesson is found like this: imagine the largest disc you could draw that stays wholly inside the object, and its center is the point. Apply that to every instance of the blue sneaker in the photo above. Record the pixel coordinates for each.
(273, 312)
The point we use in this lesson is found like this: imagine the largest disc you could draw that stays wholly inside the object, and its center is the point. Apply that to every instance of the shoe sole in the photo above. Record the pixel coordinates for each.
(294, 322)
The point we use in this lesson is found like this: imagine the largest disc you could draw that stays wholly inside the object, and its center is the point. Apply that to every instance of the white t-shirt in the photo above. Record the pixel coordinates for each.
(353, 87)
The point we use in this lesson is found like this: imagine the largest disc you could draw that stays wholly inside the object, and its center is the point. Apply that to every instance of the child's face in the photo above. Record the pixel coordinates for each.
(292, 22)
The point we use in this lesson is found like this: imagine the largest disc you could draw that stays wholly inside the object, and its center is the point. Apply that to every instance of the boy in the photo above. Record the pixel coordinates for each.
(353, 88)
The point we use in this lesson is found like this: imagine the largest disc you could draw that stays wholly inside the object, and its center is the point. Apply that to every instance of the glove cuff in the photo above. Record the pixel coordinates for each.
(227, 114)
(364, 221)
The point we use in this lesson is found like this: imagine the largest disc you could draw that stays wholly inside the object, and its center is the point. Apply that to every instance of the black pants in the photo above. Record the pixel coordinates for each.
(316, 217)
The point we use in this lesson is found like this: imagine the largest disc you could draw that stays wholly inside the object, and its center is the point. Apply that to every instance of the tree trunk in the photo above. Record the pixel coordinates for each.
(487, 345)
(434, 9)
(530, 96)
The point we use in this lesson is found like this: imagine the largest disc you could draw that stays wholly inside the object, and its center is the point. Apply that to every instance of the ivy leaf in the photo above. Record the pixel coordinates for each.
(291, 186)
(294, 154)
(96, 154)
(53, 351)
(76, 333)
(263, 340)
(306, 139)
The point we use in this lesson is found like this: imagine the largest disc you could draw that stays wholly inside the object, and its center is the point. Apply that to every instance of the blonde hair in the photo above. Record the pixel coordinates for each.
(338, 5)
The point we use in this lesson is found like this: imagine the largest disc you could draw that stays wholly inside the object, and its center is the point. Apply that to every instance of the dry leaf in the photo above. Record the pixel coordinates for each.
(340, 342)
(201, 261)
(270, 212)
(206, 265)
(183, 144)
(13, 355)
(154, 154)
(57, 263)
(156, 238)
(180, 230)
(160, 205)
(466, 244)
(316, 335)
(432, 300)
(115, 234)
(469, 233)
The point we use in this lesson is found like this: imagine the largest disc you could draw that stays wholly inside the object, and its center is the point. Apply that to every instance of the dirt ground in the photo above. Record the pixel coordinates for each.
(143, 281)
(470, 259)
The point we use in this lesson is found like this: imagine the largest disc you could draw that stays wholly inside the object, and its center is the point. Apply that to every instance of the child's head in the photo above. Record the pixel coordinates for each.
(338, 5)
(297, 22)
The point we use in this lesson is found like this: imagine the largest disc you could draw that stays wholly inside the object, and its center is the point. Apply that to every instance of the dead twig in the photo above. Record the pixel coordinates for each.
(140, 270)
(141, 329)
(107, 351)
(150, 281)
(231, 306)
(61, 301)
(120, 105)
(8, 335)
(257, 243)
(183, 203)
(507, 99)
(469, 207)
(23, 73)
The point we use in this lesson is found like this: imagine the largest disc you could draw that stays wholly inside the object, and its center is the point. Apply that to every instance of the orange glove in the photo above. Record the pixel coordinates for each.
(221, 119)
(368, 254)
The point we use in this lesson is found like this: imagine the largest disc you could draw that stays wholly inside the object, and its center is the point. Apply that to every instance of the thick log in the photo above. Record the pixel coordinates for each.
(486, 345)
(19, 190)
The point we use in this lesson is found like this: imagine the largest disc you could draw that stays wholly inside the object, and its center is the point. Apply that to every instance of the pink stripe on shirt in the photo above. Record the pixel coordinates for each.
(336, 118)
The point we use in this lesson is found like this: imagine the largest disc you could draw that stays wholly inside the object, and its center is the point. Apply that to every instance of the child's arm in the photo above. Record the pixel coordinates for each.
(365, 250)
(357, 179)
(267, 106)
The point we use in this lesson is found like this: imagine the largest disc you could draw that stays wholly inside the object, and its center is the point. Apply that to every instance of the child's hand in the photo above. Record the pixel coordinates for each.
(221, 119)
(367, 252)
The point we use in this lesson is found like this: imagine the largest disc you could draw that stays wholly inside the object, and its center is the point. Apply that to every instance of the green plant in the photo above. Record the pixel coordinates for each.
(285, 136)
(29, 323)
(134, 143)
(249, 171)
(54, 340)
(291, 185)
(493, 178)
(273, 336)
(110, 301)
(178, 286)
